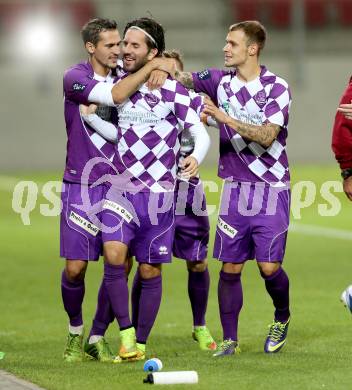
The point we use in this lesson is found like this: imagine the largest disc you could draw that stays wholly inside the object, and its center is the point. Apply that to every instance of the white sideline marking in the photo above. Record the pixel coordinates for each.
(314, 230)
(9, 381)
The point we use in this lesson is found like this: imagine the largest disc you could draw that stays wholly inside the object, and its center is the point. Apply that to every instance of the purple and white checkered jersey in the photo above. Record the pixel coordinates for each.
(264, 99)
(83, 143)
(187, 140)
(149, 129)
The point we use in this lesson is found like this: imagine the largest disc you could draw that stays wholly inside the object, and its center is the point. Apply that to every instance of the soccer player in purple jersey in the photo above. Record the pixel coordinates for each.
(252, 109)
(80, 239)
(142, 216)
(191, 222)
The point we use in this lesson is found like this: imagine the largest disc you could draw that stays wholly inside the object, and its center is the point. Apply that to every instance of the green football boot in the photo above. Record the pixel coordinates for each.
(128, 348)
(74, 348)
(205, 340)
(99, 351)
(140, 355)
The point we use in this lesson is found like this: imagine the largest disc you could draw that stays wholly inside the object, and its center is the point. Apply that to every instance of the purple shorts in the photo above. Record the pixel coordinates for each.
(253, 223)
(143, 221)
(191, 221)
(80, 235)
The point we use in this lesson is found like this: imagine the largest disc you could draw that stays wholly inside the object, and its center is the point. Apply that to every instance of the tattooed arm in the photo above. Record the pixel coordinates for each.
(185, 78)
(263, 135)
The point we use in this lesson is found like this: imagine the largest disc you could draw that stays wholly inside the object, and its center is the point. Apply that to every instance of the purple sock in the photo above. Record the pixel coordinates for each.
(103, 315)
(149, 304)
(117, 289)
(72, 297)
(230, 298)
(135, 297)
(277, 285)
(198, 291)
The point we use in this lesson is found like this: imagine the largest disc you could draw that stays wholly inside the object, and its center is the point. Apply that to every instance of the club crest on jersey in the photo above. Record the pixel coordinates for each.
(260, 98)
(203, 75)
(78, 87)
(151, 99)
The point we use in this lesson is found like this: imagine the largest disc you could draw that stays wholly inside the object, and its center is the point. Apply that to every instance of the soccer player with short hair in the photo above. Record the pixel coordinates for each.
(148, 149)
(252, 109)
(80, 239)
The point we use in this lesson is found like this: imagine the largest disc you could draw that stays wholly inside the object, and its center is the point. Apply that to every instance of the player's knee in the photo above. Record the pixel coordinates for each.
(232, 268)
(76, 270)
(267, 269)
(197, 266)
(115, 254)
(147, 271)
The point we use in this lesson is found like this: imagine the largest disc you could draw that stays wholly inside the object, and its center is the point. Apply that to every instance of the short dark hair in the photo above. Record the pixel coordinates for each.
(174, 54)
(91, 30)
(154, 29)
(254, 30)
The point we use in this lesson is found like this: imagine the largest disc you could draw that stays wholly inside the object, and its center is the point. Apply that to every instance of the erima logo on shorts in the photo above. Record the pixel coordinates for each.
(226, 228)
(163, 250)
(119, 210)
(84, 223)
(78, 87)
(204, 74)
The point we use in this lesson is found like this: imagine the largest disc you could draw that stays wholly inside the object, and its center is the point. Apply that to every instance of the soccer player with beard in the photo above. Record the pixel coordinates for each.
(191, 224)
(143, 215)
(80, 240)
(251, 107)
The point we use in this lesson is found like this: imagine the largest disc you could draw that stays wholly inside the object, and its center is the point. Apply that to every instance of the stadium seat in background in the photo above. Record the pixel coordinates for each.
(279, 12)
(276, 13)
(344, 12)
(245, 9)
(316, 13)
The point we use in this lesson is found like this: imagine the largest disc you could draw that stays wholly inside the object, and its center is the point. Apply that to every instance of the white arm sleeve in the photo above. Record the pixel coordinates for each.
(106, 129)
(201, 142)
(101, 94)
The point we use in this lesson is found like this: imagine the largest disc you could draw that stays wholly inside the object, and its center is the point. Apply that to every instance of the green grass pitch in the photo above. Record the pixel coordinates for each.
(33, 324)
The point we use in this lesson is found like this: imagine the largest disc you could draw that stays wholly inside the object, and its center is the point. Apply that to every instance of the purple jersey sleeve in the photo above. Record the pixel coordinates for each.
(276, 110)
(208, 81)
(77, 85)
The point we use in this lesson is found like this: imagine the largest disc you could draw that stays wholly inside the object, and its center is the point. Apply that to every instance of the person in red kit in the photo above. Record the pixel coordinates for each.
(342, 148)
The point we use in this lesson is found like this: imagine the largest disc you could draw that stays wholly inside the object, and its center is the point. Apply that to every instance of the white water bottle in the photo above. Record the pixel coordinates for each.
(172, 378)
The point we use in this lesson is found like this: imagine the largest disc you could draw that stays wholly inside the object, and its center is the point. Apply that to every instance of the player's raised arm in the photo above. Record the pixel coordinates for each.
(159, 68)
(110, 95)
